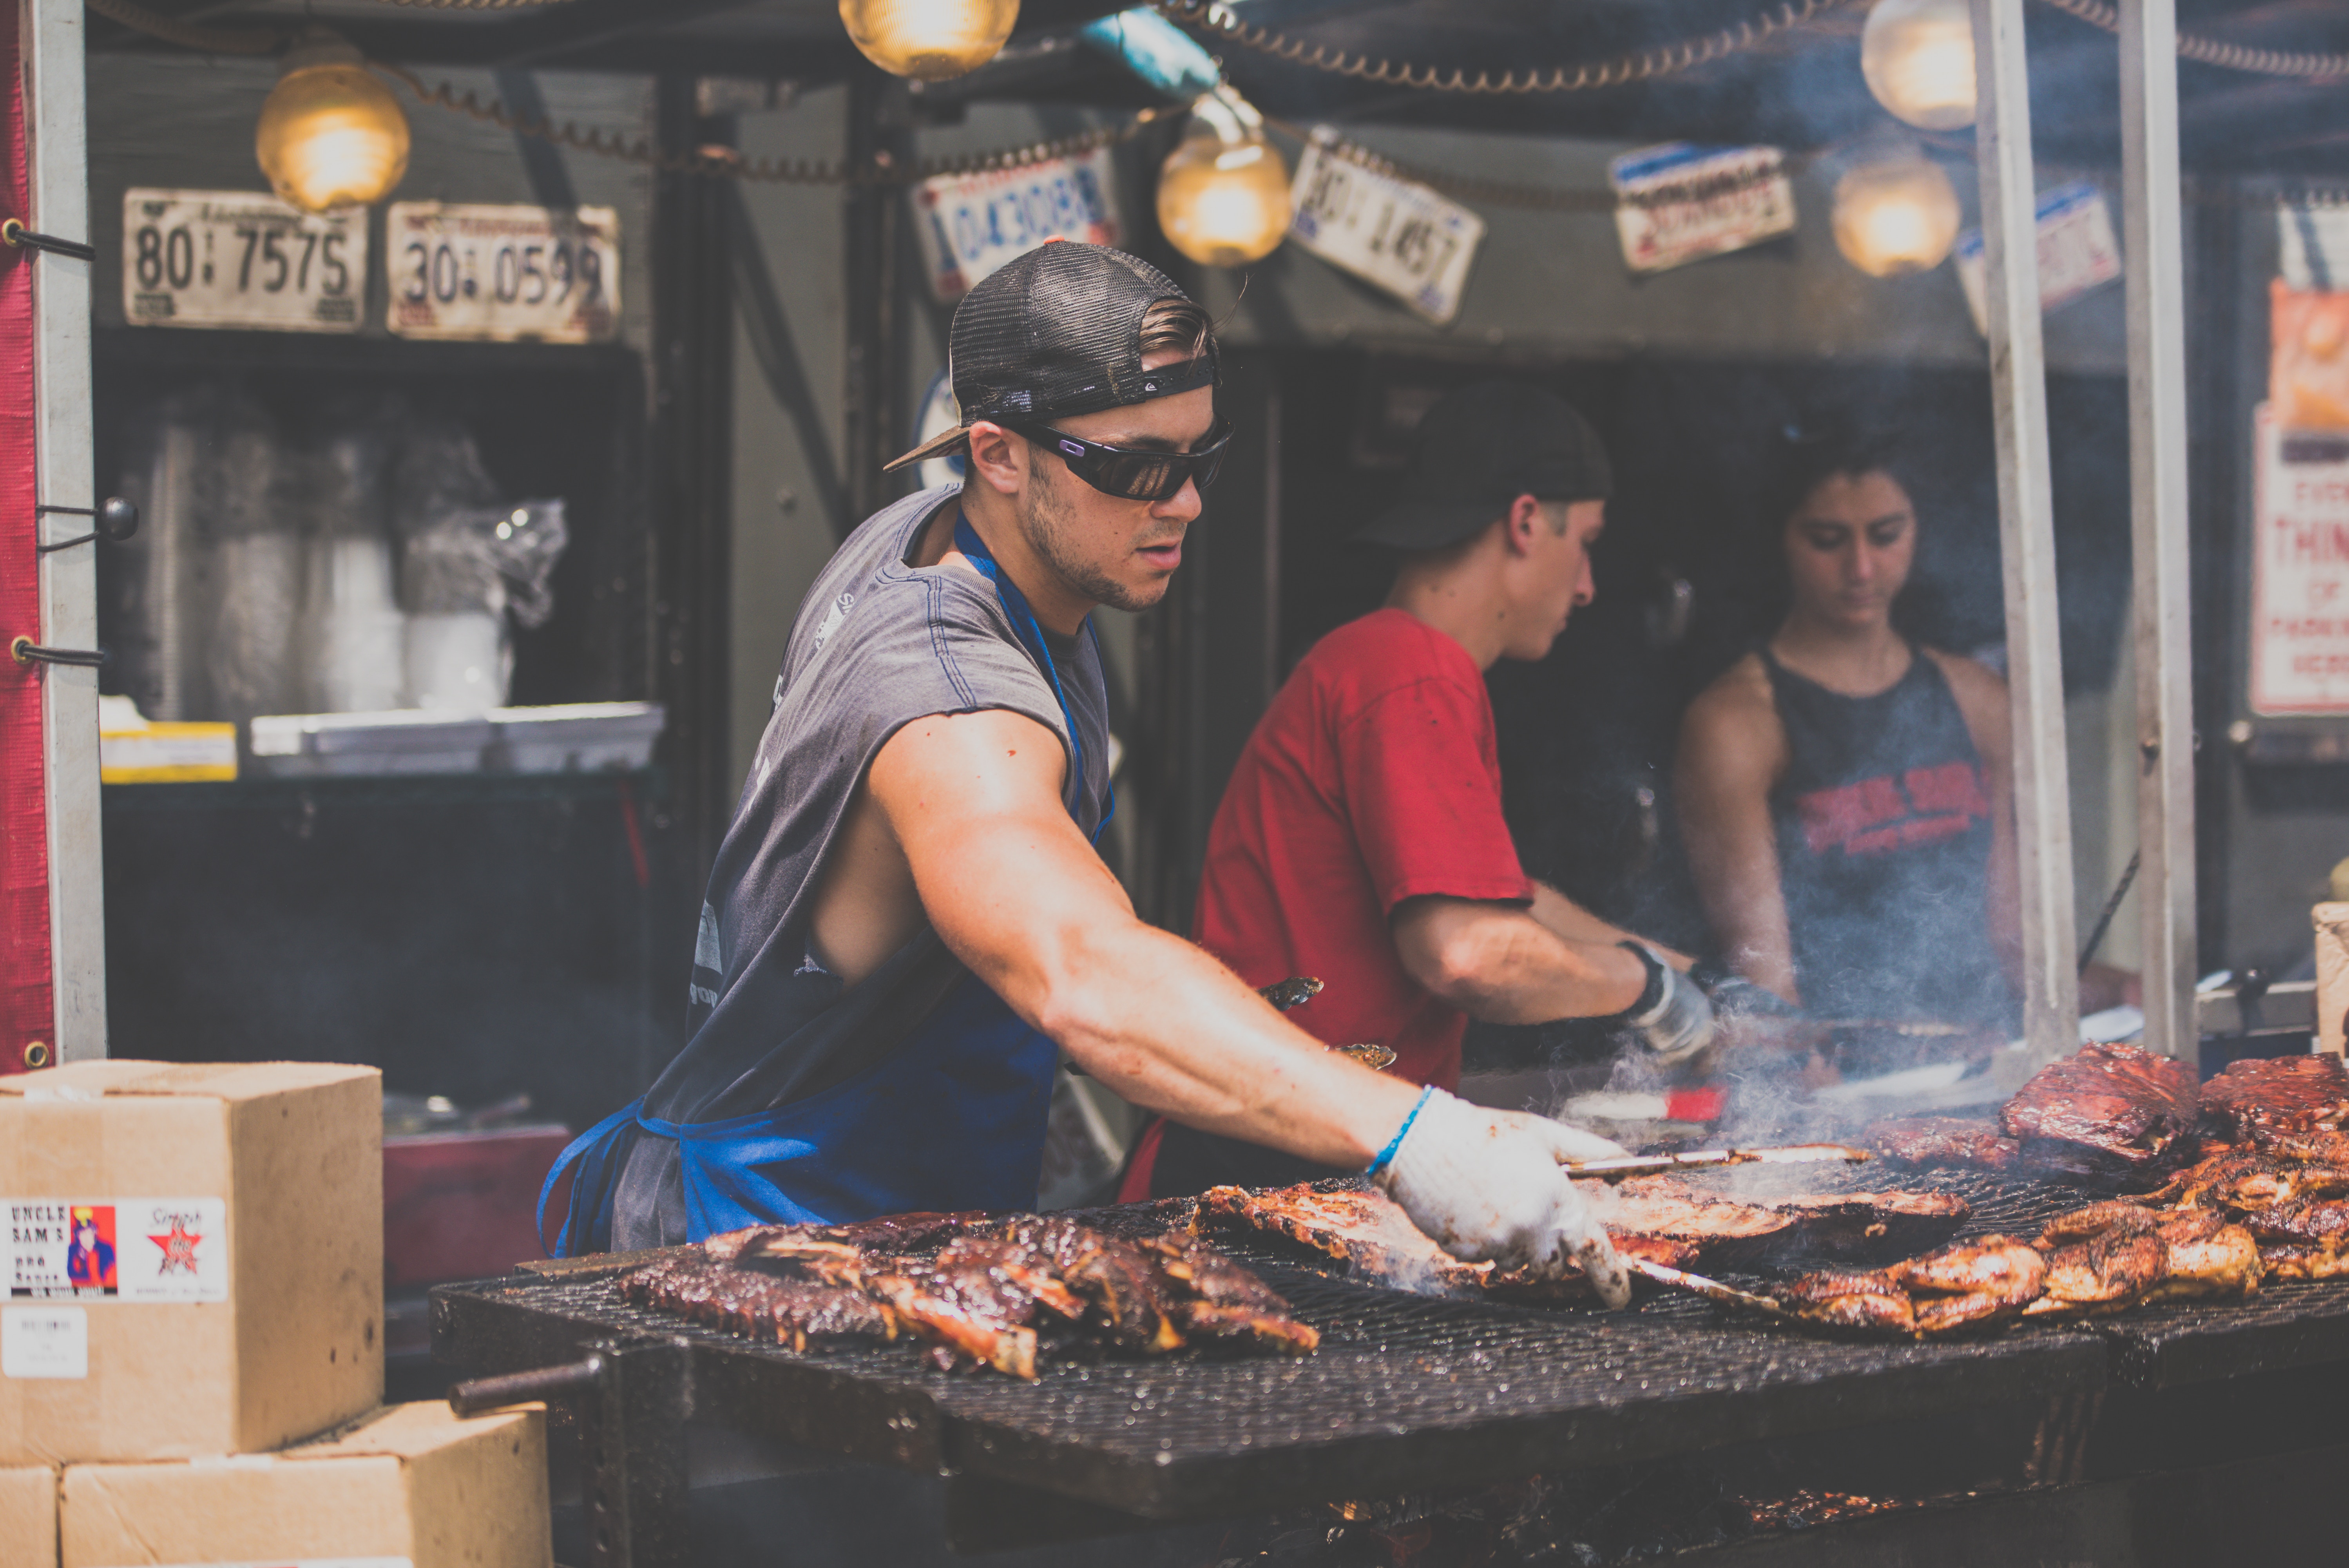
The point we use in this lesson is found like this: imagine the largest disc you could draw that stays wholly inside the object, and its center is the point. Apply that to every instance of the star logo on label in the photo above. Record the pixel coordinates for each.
(179, 1247)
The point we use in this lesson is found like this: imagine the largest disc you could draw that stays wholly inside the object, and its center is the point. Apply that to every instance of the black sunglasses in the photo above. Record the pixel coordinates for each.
(1131, 475)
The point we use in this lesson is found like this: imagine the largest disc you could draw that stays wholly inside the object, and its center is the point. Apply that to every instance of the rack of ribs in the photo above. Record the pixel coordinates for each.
(2262, 1100)
(2106, 1111)
(1927, 1140)
(979, 1289)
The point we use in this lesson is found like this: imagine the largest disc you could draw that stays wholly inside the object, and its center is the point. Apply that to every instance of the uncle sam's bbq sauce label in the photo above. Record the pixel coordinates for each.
(126, 1249)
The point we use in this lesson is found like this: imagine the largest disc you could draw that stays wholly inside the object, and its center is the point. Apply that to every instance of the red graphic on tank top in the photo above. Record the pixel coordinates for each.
(1876, 816)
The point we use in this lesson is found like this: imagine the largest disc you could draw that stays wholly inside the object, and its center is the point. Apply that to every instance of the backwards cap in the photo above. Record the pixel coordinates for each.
(1058, 332)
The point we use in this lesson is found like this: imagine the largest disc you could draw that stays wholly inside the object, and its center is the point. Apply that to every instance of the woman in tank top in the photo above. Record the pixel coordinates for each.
(1845, 792)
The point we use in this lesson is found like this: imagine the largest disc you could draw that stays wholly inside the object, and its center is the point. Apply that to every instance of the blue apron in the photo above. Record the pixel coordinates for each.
(959, 1108)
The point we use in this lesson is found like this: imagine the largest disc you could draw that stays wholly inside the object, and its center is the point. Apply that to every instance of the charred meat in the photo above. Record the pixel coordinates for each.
(2294, 1261)
(1848, 1224)
(1227, 1301)
(1929, 1141)
(2107, 1111)
(2308, 1221)
(760, 1304)
(1865, 1300)
(2115, 1217)
(2281, 1096)
(1970, 1283)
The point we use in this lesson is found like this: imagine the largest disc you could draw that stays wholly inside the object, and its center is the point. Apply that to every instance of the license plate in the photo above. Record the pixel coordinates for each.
(1679, 202)
(2076, 246)
(970, 224)
(1395, 234)
(238, 258)
(502, 274)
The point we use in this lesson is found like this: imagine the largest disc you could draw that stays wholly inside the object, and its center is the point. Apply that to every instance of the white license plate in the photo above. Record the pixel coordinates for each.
(502, 274)
(1395, 234)
(970, 224)
(239, 258)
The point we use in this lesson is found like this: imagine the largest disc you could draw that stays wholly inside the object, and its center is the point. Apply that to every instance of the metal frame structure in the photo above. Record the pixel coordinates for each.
(57, 179)
(2153, 252)
(2026, 517)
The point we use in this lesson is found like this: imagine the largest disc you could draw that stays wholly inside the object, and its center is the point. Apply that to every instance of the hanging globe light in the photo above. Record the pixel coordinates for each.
(929, 39)
(1896, 216)
(1223, 193)
(331, 134)
(1919, 58)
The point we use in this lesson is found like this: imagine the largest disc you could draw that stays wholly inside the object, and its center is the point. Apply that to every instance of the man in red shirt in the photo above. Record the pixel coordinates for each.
(1360, 838)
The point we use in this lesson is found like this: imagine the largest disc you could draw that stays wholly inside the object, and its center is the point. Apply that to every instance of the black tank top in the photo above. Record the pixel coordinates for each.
(1883, 824)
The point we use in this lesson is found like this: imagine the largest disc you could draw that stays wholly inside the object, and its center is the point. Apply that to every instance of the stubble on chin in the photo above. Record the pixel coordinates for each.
(1055, 533)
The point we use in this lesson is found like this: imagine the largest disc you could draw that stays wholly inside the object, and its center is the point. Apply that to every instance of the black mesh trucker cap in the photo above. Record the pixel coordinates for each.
(1480, 448)
(1058, 332)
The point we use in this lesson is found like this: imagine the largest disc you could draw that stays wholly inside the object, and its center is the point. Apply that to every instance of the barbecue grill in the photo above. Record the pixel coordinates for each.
(1407, 1391)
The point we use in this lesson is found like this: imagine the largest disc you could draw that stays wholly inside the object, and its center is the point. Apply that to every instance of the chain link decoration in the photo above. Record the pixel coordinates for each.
(1667, 59)
(2213, 52)
(727, 164)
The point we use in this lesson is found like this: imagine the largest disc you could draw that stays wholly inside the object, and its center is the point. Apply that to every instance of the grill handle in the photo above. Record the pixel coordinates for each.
(481, 1395)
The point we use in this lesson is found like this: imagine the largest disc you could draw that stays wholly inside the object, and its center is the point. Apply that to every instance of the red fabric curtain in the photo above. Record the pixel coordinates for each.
(27, 1008)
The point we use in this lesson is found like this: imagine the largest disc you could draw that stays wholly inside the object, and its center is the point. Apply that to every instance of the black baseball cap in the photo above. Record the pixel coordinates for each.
(1057, 332)
(1480, 448)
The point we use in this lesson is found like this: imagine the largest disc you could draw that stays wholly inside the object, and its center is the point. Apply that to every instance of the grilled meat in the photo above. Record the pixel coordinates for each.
(1846, 1224)
(2297, 1261)
(1970, 1283)
(1128, 1297)
(760, 1304)
(2110, 1218)
(2308, 1221)
(1227, 1302)
(1850, 1298)
(2117, 1269)
(1945, 1141)
(2109, 1109)
(980, 1299)
(2208, 1256)
(2280, 1097)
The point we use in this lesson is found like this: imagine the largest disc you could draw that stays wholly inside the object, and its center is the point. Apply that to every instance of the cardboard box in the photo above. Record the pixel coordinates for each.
(28, 1517)
(410, 1485)
(192, 1258)
(2331, 922)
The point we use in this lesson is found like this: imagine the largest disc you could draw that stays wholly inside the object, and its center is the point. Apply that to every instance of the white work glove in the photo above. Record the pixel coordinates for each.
(1678, 1022)
(1485, 1184)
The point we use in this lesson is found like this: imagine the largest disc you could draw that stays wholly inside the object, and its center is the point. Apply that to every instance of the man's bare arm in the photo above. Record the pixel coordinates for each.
(1576, 923)
(1497, 962)
(1730, 753)
(1010, 884)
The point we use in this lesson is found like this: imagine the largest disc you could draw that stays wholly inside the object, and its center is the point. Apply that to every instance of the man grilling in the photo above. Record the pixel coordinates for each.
(906, 921)
(1360, 839)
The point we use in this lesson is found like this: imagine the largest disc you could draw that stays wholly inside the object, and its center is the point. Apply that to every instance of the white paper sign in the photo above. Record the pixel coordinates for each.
(970, 224)
(130, 1248)
(1679, 202)
(2300, 571)
(44, 1342)
(2076, 251)
(1393, 233)
(241, 258)
(502, 274)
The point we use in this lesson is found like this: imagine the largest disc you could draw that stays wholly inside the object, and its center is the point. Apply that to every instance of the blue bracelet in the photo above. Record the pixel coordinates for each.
(1386, 1155)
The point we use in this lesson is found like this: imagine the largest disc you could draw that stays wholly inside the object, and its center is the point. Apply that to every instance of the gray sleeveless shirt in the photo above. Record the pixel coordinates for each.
(877, 644)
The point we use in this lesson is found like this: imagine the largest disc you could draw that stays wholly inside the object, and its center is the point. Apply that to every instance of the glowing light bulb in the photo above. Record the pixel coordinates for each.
(331, 134)
(1894, 216)
(1223, 193)
(1919, 58)
(929, 39)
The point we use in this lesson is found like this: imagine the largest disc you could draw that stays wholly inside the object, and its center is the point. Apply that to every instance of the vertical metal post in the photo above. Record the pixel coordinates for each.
(879, 135)
(2035, 668)
(2153, 252)
(58, 172)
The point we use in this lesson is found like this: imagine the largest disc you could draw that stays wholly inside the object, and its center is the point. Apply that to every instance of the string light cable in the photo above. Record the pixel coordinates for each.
(1218, 20)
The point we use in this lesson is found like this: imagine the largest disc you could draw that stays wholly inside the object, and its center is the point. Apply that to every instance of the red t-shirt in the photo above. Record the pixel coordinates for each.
(1374, 777)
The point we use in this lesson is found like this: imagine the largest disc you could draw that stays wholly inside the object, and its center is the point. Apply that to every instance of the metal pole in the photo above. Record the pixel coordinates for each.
(2018, 380)
(58, 174)
(2153, 252)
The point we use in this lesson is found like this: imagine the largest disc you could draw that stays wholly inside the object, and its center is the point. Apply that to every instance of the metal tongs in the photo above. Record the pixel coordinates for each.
(1711, 1289)
(1657, 1165)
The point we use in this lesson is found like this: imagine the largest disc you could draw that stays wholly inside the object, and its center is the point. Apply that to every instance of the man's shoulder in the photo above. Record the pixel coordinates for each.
(1386, 651)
